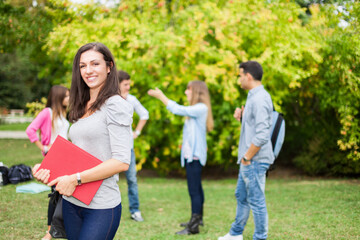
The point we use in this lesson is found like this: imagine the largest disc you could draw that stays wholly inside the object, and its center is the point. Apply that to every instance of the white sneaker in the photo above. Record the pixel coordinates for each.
(137, 216)
(230, 237)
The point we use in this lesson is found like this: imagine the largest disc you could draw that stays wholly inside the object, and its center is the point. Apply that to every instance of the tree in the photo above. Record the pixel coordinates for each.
(333, 96)
(23, 29)
(167, 44)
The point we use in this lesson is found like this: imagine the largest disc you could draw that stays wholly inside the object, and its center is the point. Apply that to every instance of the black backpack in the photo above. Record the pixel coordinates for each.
(5, 174)
(277, 132)
(19, 173)
(277, 135)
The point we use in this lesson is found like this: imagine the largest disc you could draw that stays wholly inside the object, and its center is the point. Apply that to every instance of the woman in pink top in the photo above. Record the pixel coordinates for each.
(51, 122)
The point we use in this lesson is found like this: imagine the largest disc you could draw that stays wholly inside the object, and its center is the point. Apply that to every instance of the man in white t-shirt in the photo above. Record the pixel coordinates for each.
(124, 80)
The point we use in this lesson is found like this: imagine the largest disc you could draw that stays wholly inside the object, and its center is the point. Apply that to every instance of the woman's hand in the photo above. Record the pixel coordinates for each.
(65, 185)
(41, 175)
(35, 168)
(157, 93)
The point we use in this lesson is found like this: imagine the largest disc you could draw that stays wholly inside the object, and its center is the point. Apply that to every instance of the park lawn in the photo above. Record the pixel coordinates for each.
(14, 126)
(298, 208)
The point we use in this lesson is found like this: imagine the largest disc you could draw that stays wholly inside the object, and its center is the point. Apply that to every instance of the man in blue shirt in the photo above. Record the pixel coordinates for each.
(255, 154)
(125, 82)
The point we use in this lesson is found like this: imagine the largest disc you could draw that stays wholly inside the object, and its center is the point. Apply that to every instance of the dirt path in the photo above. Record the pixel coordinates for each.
(13, 135)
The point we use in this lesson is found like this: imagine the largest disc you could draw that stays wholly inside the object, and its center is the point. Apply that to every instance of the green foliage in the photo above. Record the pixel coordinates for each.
(331, 99)
(168, 45)
(34, 108)
(16, 75)
(13, 78)
(24, 29)
(311, 68)
(342, 71)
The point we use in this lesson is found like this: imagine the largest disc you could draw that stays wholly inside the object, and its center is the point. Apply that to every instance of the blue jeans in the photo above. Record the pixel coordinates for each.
(193, 175)
(132, 185)
(250, 194)
(90, 224)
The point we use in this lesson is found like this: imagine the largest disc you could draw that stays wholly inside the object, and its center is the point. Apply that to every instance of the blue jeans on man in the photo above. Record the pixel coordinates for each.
(132, 185)
(250, 194)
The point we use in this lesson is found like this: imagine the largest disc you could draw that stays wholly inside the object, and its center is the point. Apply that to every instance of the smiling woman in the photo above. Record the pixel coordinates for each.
(93, 71)
(92, 81)
(95, 104)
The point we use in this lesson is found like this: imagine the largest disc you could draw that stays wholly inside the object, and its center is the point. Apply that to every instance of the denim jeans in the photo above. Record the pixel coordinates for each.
(132, 185)
(193, 175)
(250, 194)
(90, 224)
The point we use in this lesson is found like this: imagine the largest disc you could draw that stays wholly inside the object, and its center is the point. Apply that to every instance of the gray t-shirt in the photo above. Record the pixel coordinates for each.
(105, 134)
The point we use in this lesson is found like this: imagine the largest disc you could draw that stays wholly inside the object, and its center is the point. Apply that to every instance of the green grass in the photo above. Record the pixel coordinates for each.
(298, 209)
(14, 126)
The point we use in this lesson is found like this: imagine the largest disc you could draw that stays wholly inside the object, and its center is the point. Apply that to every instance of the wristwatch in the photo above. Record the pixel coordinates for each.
(245, 159)
(137, 132)
(78, 179)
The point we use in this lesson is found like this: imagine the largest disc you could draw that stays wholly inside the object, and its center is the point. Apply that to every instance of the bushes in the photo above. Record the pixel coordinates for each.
(166, 45)
(331, 99)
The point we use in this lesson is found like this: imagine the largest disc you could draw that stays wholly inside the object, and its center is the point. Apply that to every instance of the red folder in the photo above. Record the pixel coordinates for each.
(65, 158)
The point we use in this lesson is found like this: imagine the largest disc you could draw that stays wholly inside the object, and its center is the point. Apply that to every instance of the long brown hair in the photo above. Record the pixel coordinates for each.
(200, 93)
(80, 92)
(55, 102)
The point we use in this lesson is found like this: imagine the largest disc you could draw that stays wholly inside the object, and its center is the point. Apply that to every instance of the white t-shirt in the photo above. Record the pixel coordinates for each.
(139, 109)
(61, 127)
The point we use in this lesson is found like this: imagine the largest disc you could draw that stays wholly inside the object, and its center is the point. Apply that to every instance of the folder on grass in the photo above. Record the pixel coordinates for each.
(65, 158)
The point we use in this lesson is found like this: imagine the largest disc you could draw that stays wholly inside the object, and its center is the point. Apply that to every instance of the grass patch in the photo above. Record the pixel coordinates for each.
(298, 209)
(14, 126)
(17, 151)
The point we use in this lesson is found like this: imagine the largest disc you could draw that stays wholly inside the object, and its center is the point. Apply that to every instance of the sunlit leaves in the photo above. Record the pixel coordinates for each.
(166, 44)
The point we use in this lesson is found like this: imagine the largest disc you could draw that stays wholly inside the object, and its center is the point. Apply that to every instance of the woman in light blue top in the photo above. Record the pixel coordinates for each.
(193, 151)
